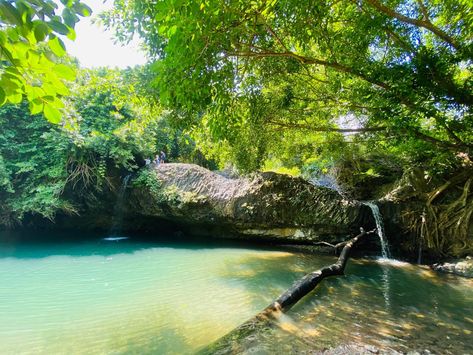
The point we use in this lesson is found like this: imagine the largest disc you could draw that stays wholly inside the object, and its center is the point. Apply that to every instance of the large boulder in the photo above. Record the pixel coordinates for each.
(264, 206)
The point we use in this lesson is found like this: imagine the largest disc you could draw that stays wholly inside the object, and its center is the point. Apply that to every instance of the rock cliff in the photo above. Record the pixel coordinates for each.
(266, 205)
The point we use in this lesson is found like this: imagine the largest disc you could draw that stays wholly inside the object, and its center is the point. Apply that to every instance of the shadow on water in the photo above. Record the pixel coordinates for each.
(29, 244)
(270, 275)
(399, 307)
(156, 344)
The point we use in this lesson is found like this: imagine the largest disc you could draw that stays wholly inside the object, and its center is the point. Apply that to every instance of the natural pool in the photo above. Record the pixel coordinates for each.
(96, 296)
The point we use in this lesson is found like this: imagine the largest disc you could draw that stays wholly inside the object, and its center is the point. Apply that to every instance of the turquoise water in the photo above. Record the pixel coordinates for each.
(131, 296)
(121, 296)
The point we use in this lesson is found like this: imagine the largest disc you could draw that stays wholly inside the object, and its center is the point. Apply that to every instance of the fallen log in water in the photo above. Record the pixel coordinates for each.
(283, 303)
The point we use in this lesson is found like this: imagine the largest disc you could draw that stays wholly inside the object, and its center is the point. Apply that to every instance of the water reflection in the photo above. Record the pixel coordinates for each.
(386, 288)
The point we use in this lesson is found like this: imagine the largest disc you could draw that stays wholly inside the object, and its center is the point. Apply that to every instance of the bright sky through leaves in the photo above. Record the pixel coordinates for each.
(95, 47)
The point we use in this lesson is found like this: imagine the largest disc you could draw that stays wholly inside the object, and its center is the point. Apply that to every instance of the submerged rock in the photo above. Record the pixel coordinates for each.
(461, 267)
(264, 206)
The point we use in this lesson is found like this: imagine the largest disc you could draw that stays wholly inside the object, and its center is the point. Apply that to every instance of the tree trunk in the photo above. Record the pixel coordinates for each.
(305, 285)
(285, 301)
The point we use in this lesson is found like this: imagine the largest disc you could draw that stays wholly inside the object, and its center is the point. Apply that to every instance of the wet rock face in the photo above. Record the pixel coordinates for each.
(266, 206)
(461, 267)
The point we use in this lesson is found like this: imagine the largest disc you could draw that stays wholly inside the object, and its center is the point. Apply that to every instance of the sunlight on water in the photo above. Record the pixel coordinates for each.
(127, 296)
(393, 262)
(98, 296)
(114, 239)
(392, 306)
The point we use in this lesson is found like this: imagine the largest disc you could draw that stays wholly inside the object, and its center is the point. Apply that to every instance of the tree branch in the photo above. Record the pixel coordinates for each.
(327, 129)
(424, 10)
(307, 60)
(310, 281)
(278, 39)
(419, 23)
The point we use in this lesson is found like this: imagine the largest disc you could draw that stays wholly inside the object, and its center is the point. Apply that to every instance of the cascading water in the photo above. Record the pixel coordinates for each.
(380, 227)
(117, 220)
(386, 255)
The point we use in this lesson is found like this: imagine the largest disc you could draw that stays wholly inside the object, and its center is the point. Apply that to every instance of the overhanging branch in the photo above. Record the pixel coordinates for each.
(326, 129)
(415, 22)
(308, 61)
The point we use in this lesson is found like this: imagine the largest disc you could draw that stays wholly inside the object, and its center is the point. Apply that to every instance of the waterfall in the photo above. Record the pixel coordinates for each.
(380, 228)
(117, 219)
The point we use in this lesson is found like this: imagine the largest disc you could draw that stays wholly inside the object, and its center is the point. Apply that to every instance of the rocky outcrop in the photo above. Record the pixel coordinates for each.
(461, 267)
(264, 206)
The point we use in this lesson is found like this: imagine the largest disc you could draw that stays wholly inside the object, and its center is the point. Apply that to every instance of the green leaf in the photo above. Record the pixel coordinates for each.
(65, 72)
(3, 97)
(33, 92)
(59, 27)
(67, 3)
(3, 38)
(10, 13)
(69, 17)
(172, 31)
(49, 90)
(72, 34)
(83, 9)
(15, 98)
(51, 113)
(162, 29)
(41, 30)
(57, 47)
(36, 106)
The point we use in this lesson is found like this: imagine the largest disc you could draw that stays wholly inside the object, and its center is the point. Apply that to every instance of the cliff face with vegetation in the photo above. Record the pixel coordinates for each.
(264, 206)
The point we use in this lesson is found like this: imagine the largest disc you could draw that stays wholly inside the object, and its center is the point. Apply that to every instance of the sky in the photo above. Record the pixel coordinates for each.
(94, 47)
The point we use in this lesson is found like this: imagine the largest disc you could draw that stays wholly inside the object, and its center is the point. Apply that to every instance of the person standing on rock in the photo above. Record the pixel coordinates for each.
(162, 157)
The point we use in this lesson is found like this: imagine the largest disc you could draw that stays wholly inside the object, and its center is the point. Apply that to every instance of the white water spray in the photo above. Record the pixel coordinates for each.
(118, 211)
(380, 229)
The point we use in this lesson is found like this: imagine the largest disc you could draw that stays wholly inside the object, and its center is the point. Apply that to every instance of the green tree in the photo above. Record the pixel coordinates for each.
(32, 52)
(400, 68)
(45, 169)
(33, 161)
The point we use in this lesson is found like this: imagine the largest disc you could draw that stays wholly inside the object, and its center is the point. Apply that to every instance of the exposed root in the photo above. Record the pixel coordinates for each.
(444, 225)
(86, 171)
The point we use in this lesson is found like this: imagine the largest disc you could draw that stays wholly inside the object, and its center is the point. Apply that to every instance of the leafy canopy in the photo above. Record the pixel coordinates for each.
(397, 70)
(32, 52)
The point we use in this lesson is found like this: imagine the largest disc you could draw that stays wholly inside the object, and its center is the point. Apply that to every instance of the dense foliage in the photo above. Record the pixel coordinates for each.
(32, 52)
(107, 128)
(364, 90)
(397, 70)
(348, 93)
